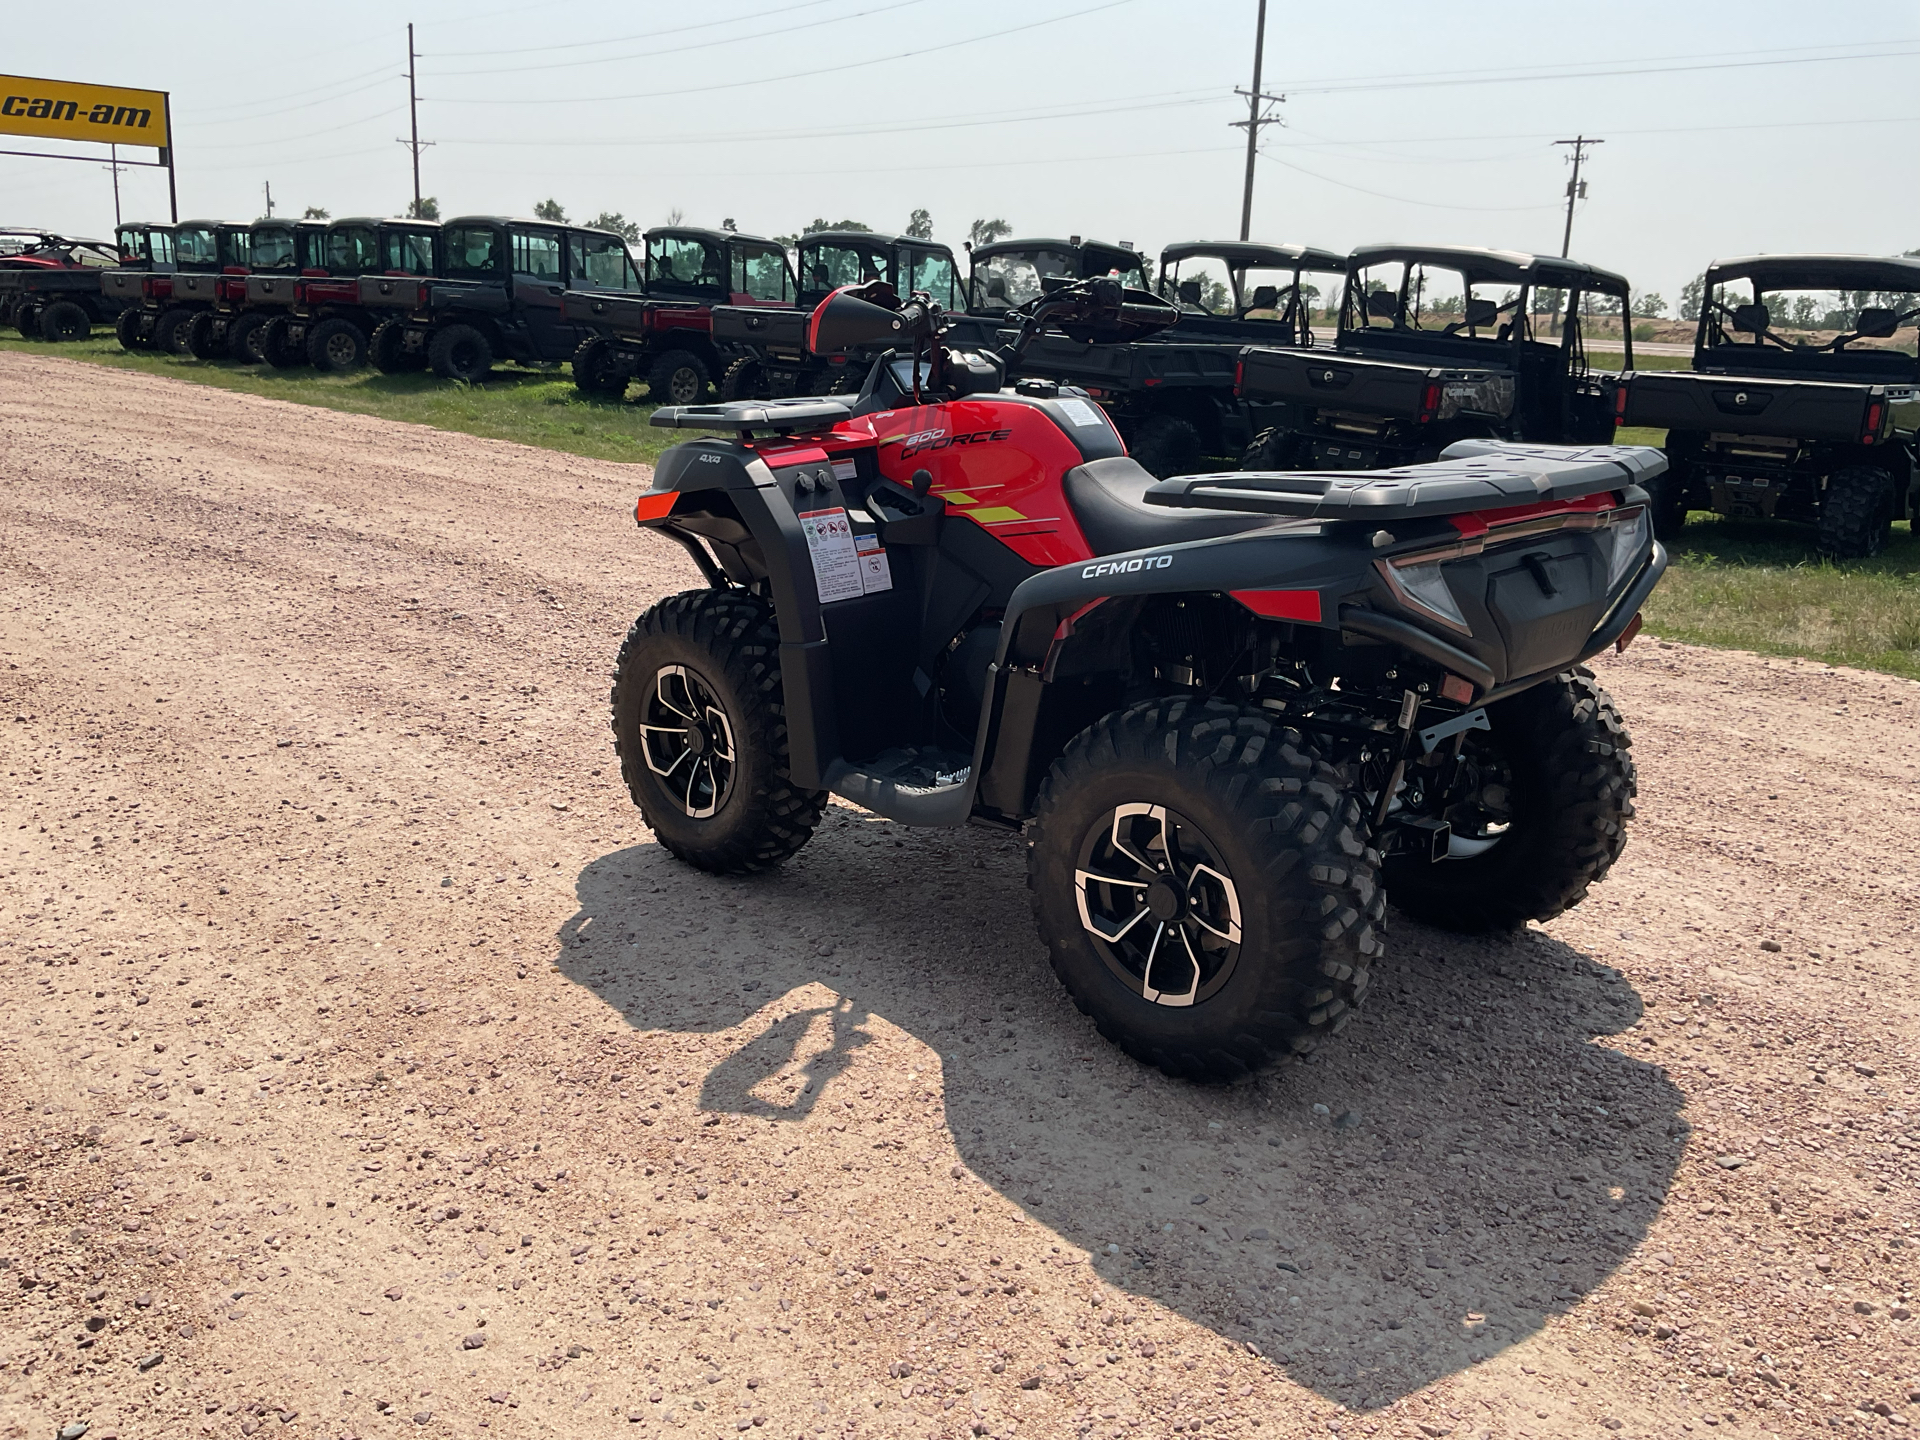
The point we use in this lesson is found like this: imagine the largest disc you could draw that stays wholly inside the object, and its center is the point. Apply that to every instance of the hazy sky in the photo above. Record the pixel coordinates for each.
(1729, 127)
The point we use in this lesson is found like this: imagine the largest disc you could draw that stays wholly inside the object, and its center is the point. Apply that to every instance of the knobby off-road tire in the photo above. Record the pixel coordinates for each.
(277, 347)
(63, 321)
(1856, 513)
(1167, 446)
(243, 338)
(170, 330)
(336, 347)
(746, 379)
(595, 371)
(200, 342)
(460, 352)
(723, 648)
(1266, 847)
(1274, 448)
(1667, 506)
(1559, 753)
(677, 378)
(387, 350)
(26, 319)
(126, 329)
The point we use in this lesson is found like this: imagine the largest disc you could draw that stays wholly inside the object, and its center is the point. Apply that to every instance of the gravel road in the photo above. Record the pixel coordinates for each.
(369, 1071)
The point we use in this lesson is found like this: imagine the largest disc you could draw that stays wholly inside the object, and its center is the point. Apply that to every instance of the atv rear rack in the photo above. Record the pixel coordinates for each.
(774, 417)
(1470, 475)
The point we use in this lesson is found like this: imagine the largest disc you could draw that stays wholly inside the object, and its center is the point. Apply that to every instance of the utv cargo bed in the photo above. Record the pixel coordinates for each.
(1340, 380)
(1812, 410)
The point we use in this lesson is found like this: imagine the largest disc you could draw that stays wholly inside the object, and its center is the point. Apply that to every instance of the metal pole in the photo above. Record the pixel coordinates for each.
(413, 110)
(114, 151)
(269, 199)
(1253, 121)
(173, 193)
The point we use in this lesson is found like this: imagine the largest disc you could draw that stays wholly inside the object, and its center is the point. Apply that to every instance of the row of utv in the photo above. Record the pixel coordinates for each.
(1800, 404)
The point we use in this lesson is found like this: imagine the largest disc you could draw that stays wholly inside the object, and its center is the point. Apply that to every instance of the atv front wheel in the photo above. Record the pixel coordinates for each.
(1200, 880)
(336, 347)
(63, 321)
(1167, 446)
(595, 371)
(677, 378)
(1856, 513)
(460, 352)
(1550, 791)
(699, 723)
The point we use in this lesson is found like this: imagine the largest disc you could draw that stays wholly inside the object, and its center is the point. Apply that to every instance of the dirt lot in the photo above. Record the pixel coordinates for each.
(369, 1071)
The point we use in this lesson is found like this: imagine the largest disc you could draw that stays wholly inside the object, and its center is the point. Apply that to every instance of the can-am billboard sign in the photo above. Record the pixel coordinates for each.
(68, 110)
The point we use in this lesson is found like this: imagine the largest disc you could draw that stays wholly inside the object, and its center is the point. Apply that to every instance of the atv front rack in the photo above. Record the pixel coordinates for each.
(773, 417)
(1470, 475)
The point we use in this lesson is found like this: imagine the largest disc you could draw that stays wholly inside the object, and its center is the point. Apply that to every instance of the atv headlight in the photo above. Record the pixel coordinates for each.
(1629, 544)
(1424, 586)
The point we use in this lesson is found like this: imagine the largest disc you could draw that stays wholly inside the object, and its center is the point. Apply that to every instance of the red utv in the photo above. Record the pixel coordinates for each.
(50, 284)
(322, 321)
(200, 253)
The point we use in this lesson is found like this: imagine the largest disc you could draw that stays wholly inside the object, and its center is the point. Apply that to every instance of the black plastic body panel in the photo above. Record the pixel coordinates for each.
(1794, 409)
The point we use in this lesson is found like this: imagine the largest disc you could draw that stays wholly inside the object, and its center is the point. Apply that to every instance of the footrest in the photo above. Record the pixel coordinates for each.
(918, 785)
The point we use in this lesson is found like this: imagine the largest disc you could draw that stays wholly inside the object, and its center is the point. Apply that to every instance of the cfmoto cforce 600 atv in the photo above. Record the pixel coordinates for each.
(1230, 713)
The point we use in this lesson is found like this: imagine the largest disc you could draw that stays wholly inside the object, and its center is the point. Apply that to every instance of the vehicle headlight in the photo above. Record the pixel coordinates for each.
(1426, 586)
(1629, 544)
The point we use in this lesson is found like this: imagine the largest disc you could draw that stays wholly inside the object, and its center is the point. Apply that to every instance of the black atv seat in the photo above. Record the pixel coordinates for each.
(1105, 496)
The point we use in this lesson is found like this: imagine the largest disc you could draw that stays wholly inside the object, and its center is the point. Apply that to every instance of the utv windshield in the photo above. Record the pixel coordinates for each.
(1396, 297)
(599, 262)
(1810, 323)
(760, 271)
(829, 266)
(936, 274)
(408, 251)
(134, 246)
(273, 249)
(352, 250)
(473, 253)
(682, 265)
(197, 246)
(1012, 277)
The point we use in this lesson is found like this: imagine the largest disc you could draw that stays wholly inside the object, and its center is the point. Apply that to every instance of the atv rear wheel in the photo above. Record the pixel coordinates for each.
(595, 371)
(1856, 513)
(170, 330)
(200, 342)
(1167, 446)
(1200, 880)
(1552, 789)
(460, 352)
(677, 378)
(243, 338)
(1274, 448)
(336, 347)
(699, 723)
(63, 321)
(126, 329)
(746, 379)
(277, 346)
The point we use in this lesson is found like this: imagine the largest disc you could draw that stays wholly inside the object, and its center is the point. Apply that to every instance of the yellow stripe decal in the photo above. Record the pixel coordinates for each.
(995, 515)
(957, 497)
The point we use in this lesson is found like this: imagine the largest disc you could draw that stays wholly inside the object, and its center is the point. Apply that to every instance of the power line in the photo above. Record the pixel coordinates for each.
(627, 39)
(1402, 199)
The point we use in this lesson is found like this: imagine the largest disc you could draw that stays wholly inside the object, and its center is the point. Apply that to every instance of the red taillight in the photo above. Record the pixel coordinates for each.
(1620, 405)
(1430, 402)
(1281, 604)
(1239, 375)
(1870, 432)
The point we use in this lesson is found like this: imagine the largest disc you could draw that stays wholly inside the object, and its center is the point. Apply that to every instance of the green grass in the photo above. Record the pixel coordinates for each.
(1744, 584)
(1757, 585)
(534, 407)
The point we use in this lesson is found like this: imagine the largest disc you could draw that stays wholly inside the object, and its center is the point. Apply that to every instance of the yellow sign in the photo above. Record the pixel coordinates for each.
(65, 110)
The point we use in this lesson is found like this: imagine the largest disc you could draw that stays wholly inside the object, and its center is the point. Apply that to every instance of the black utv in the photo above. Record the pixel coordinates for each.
(665, 335)
(205, 255)
(1011, 273)
(1440, 343)
(50, 284)
(497, 295)
(770, 342)
(1172, 396)
(1802, 403)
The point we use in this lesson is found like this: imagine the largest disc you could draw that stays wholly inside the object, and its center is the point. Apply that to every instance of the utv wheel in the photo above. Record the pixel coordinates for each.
(595, 370)
(1201, 883)
(200, 341)
(1856, 513)
(1552, 789)
(336, 347)
(277, 346)
(677, 378)
(26, 319)
(63, 321)
(243, 338)
(699, 722)
(170, 330)
(126, 329)
(460, 352)
(746, 379)
(1167, 446)
(1668, 508)
(1272, 449)
(388, 349)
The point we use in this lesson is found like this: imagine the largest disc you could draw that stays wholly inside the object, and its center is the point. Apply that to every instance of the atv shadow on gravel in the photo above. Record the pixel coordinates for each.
(1481, 1165)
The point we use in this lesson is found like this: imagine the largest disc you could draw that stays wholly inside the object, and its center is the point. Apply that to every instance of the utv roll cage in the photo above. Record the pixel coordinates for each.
(1742, 338)
(287, 247)
(211, 247)
(1063, 260)
(1240, 257)
(145, 245)
(880, 257)
(731, 268)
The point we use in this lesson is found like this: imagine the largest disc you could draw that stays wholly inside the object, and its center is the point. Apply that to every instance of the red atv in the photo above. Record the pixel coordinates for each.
(1229, 712)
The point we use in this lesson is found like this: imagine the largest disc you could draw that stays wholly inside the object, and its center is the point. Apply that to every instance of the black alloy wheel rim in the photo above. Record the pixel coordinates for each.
(1160, 903)
(688, 741)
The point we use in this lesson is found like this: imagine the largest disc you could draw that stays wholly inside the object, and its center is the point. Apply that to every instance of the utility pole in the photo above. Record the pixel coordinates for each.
(1254, 120)
(113, 164)
(269, 199)
(1576, 187)
(413, 113)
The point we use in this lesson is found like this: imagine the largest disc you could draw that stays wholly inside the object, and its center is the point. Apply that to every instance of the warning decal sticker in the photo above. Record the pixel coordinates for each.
(836, 564)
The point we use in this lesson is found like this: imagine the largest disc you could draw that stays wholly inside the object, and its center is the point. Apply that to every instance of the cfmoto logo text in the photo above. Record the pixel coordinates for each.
(1127, 567)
